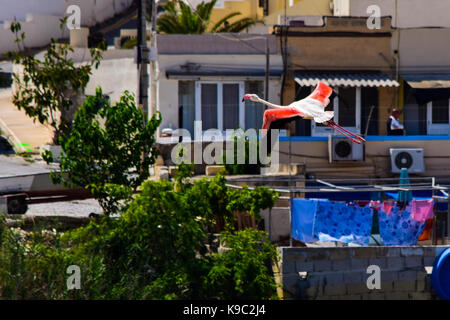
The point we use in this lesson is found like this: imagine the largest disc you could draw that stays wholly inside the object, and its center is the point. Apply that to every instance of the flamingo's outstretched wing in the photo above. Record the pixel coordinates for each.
(313, 106)
(321, 93)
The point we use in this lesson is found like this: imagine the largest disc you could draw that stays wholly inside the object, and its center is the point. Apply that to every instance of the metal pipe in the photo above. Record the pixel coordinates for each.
(142, 59)
(290, 219)
(266, 89)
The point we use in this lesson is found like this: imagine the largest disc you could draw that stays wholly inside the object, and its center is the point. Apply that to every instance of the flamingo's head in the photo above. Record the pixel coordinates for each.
(251, 97)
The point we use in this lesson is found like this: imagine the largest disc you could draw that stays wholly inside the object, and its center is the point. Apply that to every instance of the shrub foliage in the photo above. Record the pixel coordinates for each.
(157, 249)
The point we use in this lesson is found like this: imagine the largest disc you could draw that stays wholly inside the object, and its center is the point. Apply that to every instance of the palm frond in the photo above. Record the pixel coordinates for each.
(219, 23)
(239, 25)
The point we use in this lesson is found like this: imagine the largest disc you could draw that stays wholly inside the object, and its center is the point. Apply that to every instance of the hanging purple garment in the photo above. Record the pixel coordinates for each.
(399, 228)
(336, 221)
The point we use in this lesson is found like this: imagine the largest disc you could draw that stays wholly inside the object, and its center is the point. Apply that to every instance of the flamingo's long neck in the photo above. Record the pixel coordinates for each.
(270, 105)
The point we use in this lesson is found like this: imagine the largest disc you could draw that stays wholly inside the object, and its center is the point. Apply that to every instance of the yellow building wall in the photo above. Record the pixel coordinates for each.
(300, 8)
(250, 9)
(247, 8)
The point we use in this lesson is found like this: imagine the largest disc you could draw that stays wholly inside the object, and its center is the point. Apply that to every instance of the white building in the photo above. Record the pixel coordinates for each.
(204, 77)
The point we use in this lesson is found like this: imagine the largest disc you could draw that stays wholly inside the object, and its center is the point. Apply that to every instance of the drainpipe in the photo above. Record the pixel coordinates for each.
(154, 69)
(142, 58)
(266, 84)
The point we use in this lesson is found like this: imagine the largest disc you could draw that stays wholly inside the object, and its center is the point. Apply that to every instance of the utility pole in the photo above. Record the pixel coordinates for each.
(266, 84)
(153, 63)
(142, 59)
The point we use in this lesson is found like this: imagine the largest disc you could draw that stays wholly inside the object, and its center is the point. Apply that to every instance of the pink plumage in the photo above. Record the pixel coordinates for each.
(312, 107)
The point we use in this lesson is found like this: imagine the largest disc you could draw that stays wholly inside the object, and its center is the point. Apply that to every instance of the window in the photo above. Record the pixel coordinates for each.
(186, 103)
(347, 111)
(254, 112)
(438, 117)
(218, 104)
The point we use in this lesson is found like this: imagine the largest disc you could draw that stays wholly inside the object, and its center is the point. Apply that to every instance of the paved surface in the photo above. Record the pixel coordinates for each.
(76, 208)
(16, 165)
(18, 128)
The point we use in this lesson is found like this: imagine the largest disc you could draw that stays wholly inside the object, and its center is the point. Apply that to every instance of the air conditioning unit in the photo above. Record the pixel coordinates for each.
(409, 158)
(343, 149)
(13, 204)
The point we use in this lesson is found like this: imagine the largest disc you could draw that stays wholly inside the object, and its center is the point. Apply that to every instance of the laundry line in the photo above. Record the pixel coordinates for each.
(374, 188)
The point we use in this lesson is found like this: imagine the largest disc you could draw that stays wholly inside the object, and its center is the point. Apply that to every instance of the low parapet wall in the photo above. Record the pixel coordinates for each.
(342, 272)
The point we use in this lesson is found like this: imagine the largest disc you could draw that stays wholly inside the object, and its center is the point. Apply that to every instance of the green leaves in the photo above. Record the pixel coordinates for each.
(159, 248)
(104, 151)
(47, 87)
(243, 271)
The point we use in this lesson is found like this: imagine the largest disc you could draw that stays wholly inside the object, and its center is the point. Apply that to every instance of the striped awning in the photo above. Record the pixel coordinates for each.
(345, 79)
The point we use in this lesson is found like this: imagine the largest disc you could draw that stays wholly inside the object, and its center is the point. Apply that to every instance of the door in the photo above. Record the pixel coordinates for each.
(438, 117)
(347, 112)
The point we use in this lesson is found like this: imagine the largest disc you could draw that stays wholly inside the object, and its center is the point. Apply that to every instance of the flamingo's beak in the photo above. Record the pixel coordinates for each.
(246, 97)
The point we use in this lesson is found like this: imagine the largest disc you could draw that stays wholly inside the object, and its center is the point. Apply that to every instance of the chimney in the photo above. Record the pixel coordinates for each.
(79, 37)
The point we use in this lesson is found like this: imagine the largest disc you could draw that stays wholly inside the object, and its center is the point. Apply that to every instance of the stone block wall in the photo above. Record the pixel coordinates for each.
(341, 272)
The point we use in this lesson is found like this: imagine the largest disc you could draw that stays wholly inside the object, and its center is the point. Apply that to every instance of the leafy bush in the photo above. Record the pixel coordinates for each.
(246, 167)
(104, 152)
(157, 249)
(244, 270)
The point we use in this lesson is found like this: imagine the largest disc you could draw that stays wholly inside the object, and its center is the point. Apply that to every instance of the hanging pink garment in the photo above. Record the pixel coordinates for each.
(375, 204)
(422, 210)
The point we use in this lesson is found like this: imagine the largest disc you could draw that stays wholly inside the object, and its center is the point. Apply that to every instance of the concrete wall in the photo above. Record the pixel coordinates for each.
(40, 19)
(342, 43)
(313, 155)
(168, 88)
(341, 273)
(409, 13)
(377, 163)
(114, 77)
(386, 102)
(422, 50)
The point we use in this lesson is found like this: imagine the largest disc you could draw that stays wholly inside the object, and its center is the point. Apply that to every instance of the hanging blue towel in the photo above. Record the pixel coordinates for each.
(398, 228)
(314, 220)
(303, 215)
(336, 221)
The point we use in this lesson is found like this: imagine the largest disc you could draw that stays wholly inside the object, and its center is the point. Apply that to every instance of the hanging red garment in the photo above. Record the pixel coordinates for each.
(426, 234)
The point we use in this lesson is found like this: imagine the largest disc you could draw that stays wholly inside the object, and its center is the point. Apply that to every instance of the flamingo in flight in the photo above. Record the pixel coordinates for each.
(311, 107)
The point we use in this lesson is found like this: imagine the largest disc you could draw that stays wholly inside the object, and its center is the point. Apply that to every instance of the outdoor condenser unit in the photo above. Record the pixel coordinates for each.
(343, 149)
(13, 204)
(409, 158)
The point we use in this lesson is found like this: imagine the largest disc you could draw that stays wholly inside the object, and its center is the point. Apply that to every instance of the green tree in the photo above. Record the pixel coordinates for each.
(159, 248)
(48, 87)
(109, 150)
(180, 18)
